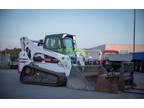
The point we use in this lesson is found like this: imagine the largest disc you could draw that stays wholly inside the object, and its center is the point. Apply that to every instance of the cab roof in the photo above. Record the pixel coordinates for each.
(62, 35)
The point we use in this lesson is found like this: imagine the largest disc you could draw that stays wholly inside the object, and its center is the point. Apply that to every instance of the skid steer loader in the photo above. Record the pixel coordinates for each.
(55, 62)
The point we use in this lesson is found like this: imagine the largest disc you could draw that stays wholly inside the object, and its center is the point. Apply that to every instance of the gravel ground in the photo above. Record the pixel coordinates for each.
(11, 88)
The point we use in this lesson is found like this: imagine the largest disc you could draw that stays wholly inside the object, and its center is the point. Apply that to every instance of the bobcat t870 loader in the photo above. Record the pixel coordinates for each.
(55, 62)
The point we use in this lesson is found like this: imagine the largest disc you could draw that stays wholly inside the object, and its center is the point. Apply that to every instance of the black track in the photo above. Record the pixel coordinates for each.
(32, 74)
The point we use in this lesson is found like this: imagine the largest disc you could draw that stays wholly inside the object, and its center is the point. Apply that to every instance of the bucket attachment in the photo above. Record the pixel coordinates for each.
(108, 83)
(96, 78)
(84, 77)
(116, 81)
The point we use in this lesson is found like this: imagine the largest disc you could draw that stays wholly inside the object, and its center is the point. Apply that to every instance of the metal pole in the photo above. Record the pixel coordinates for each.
(134, 31)
(133, 45)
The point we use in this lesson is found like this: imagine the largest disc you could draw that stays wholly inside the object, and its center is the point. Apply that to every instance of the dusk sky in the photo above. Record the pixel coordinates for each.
(92, 27)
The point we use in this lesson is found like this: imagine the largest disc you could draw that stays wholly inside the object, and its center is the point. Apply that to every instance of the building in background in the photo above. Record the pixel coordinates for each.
(9, 58)
(121, 48)
(118, 47)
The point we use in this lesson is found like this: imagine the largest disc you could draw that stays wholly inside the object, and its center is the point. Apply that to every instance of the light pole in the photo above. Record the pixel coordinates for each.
(134, 31)
(134, 24)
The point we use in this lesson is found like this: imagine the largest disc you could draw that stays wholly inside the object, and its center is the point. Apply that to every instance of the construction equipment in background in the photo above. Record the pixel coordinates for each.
(110, 59)
(100, 57)
(56, 62)
(114, 61)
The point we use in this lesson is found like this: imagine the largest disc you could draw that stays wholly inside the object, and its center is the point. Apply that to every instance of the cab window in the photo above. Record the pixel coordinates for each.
(53, 43)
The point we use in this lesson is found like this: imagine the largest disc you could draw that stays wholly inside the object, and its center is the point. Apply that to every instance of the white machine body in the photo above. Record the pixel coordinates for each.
(31, 47)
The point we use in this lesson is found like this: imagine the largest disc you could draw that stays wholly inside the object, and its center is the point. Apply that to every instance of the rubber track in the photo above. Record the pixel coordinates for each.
(61, 77)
